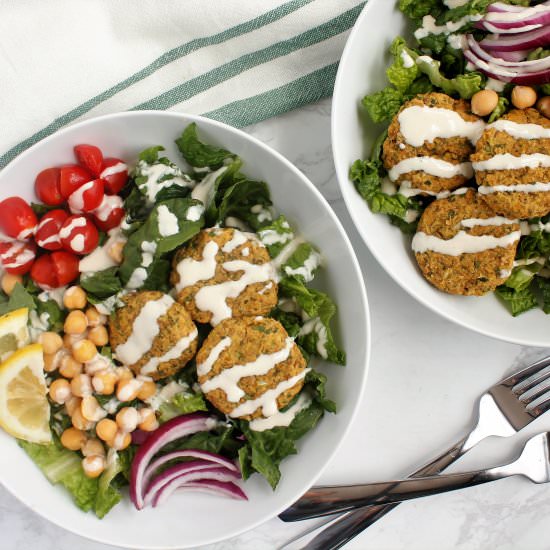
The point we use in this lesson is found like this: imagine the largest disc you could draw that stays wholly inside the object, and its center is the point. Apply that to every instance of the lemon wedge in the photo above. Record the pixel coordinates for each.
(14, 333)
(24, 407)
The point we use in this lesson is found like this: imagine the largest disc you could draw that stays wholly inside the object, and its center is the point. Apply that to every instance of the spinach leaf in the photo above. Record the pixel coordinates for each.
(315, 383)
(18, 299)
(102, 284)
(199, 154)
(56, 316)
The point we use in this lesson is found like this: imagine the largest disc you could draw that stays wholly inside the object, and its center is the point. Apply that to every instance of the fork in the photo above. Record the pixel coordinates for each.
(507, 407)
(533, 463)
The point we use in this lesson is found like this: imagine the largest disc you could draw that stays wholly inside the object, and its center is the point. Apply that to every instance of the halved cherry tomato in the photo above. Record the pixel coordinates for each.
(47, 187)
(89, 157)
(17, 257)
(17, 218)
(79, 235)
(71, 177)
(87, 197)
(65, 266)
(114, 173)
(47, 232)
(109, 214)
(42, 272)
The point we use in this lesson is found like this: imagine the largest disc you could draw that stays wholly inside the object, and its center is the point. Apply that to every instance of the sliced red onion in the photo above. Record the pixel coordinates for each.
(503, 8)
(533, 15)
(139, 437)
(214, 487)
(526, 41)
(176, 428)
(206, 456)
(520, 55)
(219, 475)
(519, 29)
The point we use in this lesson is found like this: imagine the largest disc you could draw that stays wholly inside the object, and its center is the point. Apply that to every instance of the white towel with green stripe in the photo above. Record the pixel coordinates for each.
(238, 61)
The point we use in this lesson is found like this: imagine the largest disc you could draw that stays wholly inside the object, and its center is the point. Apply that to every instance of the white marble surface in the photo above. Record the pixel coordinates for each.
(424, 376)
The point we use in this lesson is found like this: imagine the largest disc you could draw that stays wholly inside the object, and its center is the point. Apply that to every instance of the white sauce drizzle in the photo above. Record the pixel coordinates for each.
(237, 239)
(516, 188)
(407, 60)
(316, 325)
(231, 221)
(76, 199)
(432, 166)
(507, 161)
(192, 271)
(206, 366)
(429, 25)
(194, 213)
(168, 221)
(228, 379)
(419, 124)
(107, 206)
(495, 85)
(204, 189)
(115, 169)
(144, 330)
(99, 259)
(521, 131)
(461, 243)
(66, 231)
(182, 344)
(281, 418)
(451, 4)
(312, 262)
(495, 220)
(154, 172)
(287, 252)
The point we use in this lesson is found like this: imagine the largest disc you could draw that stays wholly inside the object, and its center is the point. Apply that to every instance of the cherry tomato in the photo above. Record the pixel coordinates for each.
(17, 218)
(47, 187)
(89, 157)
(65, 266)
(17, 257)
(87, 197)
(114, 174)
(79, 235)
(42, 272)
(71, 178)
(47, 232)
(109, 214)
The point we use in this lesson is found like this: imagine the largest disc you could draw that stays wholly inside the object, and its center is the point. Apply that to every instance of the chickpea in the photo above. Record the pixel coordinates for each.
(127, 419)
(148, 389)
(543, 105)
(70, 339)
(95, 318)
(60, 391)
(84, 350)
(106, 429)
(70, 368)
(73, 439)
(93, 465)
(91, 409)
(104, 382)
(523, 97)
(51, 342)
(81, 385)
(9, 281)
(120, 441)
(75, 298)
(76, 322)
(115, 251)
(98, 363)
(99, 336)
(93, 447)
(80, 422)
(53, 360)
(483, 103)
(72, 404)
(127, 390)
(147, 420)
(124, 373)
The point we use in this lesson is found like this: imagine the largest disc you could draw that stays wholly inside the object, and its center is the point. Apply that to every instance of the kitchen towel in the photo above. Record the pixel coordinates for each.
(237, 61)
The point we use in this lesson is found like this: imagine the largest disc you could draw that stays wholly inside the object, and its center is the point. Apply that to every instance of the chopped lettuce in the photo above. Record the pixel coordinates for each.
(499, 110)
(182, 403)
(522, 276)
(199, 154)
(276, 235)
(517, 301)
(416, 9)
(536, 244)
(303, 262)
(382, 106)
(403, 71)
(544, 288)
(50, 309)
(108, 494)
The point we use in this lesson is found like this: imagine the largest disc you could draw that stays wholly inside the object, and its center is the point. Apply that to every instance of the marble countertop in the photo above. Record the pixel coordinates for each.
(424, 377)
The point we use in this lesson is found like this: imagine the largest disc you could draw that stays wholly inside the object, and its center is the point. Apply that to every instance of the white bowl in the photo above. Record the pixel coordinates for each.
(195, 519)
(362, 71)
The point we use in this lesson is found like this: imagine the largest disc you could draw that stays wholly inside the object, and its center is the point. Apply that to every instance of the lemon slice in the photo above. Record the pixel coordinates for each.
(14, 333)
(24, 407)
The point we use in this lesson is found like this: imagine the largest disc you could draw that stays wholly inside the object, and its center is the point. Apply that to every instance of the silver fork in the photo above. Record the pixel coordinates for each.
(503, 410)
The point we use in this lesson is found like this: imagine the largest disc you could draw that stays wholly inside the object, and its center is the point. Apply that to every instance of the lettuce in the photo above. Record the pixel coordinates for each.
(499, 110)
(522, 276)
(517, 301)
(276, 235)
(399, 73)
(544, 287)
(383, 105)
(199, 154)
(537, 243)
(416, 9)
(182, 403)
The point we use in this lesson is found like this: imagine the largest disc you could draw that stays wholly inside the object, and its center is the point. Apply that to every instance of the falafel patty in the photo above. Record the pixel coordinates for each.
(463, 247)
(152, 334)
(250, 368)
(512, 164)
(222, 273)
(429, 144)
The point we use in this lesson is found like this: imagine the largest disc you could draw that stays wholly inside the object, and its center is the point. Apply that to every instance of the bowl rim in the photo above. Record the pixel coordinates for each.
(362, 298)
(344, 182)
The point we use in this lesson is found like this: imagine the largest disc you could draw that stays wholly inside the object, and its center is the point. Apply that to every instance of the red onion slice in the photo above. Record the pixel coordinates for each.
(219, 482)
(176, 428)
(535, 15)
(520, 55)
(526, 41)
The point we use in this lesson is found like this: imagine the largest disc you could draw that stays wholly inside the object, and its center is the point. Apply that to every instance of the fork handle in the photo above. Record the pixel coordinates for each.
(322, 501)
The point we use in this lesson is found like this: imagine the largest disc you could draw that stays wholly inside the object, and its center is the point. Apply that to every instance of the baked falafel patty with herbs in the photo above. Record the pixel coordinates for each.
(222, 273)
(415, 164)
(152, 334)
(250, 368)
(463, 247)
(512, 164)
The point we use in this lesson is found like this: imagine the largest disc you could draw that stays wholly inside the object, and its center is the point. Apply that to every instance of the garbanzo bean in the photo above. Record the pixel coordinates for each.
(75, 298)
(76, 322)
(98, 335)
(60, 391)
(106, 429)
(523, 97)
(73, 439)
(9, 281)
(51, 342)
(483, 103)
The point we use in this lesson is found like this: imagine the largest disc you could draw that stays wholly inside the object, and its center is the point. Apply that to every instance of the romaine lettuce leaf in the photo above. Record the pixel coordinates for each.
(199, 154)
(403, 71)
(303, 263)
(417, 9)
(499, 110)
(544, 287)
(382, 106)
(276, 235)
(182, 403)
(517, 301)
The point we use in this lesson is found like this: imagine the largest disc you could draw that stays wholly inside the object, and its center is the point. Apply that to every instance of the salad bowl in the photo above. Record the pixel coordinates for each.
(190, 520)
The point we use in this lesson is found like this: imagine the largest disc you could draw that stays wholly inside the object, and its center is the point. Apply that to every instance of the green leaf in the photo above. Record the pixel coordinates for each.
(199, 154)
(56, 316)
(276, 235)
(522, 276)
(417, 9)
(544, 287)
(517, 301)
(499, 110)
(108, 494)
(151, 154)
(316, 382)
(102, 284)
(303, 263)
(400, 75)
(383, 105)
(290, 321)
(182, 403)
(19, 298)
(40, 209)
(537, 243)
